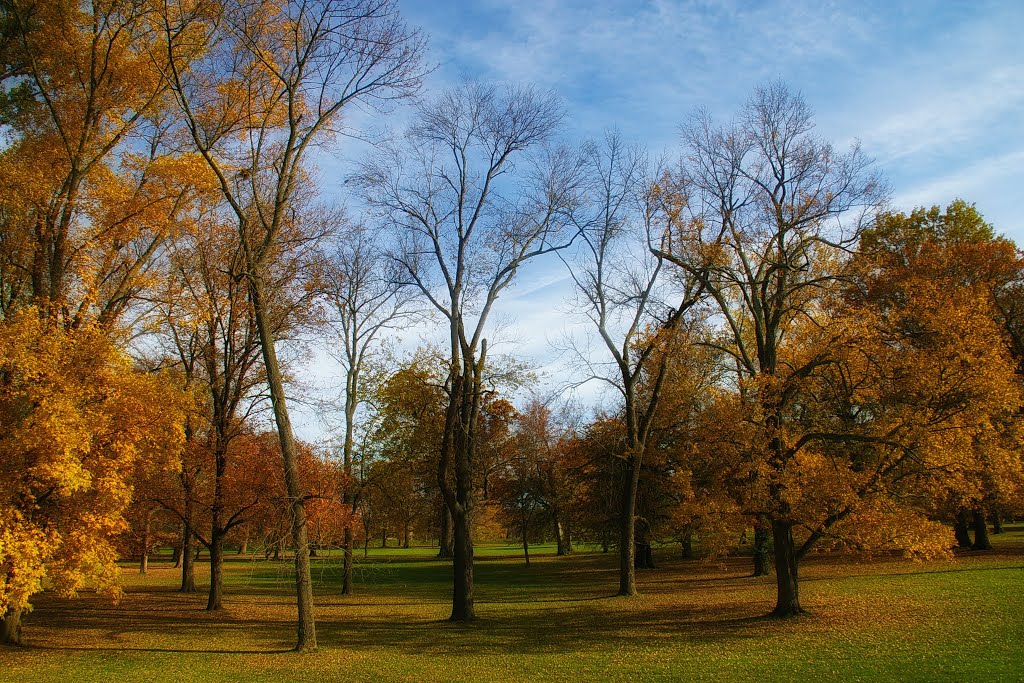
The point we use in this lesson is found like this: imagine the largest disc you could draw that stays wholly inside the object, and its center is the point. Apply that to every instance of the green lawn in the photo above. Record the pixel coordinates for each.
(882, 619)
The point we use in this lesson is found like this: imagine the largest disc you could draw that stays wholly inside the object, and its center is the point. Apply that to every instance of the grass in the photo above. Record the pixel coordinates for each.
(883, 619)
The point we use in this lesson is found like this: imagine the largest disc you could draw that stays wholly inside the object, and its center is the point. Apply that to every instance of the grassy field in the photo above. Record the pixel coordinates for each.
(881, 619)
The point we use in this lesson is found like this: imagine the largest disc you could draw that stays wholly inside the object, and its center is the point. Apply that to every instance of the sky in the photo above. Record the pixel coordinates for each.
(933, 90)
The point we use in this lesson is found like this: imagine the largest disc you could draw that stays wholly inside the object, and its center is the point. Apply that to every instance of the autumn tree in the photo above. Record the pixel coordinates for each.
(365, 301)
(957, 252)
(93, 187)
(469, 202)
(622, 288)
(408, 427)
(272, 83)
(532, 481)
(78, 420)
(763, 206)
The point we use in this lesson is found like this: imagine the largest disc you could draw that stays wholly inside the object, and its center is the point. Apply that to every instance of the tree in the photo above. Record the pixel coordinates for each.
(92, 189)
(766, 205)
(366, 301)
(620, 288)
(272, 82)
(79, 419)
(955, 250)
(466, 219)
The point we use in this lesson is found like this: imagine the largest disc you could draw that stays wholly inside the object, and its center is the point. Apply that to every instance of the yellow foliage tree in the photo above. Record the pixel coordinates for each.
(77, 417)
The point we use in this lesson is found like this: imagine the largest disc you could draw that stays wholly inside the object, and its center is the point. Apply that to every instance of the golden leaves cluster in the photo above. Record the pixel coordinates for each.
(78, 417)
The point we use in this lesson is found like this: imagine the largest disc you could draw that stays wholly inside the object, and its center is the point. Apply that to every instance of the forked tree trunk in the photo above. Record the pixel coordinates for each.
(981, 539)
(787, 603)
(10, 630)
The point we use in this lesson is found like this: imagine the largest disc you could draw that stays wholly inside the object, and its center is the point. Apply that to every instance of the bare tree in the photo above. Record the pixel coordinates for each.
(767, 205)
(623, 290)
(273, 80)
(466, 217)
(366, 301)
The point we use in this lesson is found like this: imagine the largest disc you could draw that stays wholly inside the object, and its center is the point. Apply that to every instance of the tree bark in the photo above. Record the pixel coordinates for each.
(981, 539)
(444, 540)
(687, 545)
(787, 602)
(10, 633)
(144, 553)
(188, 561)
(462, 566)
(762, 556)
(562, 537)
(525, 528)
(962, 529)
(997, 522)
(243, 548)
(306, 626)
(627, 528)
(216, 597)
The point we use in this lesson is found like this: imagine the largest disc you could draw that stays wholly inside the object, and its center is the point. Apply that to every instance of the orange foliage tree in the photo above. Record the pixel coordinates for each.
(78, 418)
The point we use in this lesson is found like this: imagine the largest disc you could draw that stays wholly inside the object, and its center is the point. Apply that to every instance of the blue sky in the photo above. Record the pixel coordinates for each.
(933, 90)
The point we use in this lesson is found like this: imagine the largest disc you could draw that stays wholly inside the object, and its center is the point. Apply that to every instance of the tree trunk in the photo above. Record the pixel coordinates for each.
(305, 640)
(981, 539)
(243, 549)
(176, 555)
(10, 633)
(215, 600)
(606, 541)
(444, 541)
(462, 567)
(643, 556)
(997, 522)
(405, 535)
(962, 529)
(384, 538)
(787, 602)
(762, 556)
(188, 561)
(346, 577)
(526, 543)
(144, 554)
(627, 528)
(687, 546)
(562, 537)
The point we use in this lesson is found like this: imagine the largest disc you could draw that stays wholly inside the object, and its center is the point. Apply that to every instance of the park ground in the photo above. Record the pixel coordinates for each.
(881, 618)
